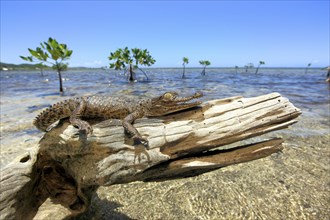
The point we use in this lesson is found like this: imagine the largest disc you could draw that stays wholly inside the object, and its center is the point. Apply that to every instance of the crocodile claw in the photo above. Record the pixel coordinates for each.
(84, 126)
(140, 140)
(145, 142)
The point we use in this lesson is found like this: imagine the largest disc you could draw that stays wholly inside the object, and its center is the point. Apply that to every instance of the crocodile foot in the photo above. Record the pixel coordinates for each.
(140, 140)
(83, 126)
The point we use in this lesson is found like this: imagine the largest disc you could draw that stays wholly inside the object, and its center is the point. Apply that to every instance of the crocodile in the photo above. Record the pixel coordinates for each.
(127, 110)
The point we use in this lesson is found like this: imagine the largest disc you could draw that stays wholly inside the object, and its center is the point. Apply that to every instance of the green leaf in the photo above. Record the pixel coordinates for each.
(53, 43)
(69, 53)
(35, 53)
(24, 58)
(27, 58)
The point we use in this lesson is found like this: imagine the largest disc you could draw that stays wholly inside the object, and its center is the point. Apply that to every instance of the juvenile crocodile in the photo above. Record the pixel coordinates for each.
(127, 110)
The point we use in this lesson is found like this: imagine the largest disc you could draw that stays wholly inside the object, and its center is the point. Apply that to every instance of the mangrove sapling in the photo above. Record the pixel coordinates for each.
(185, 61)
(128, 60)
(307, 67)
(41, 67)
(53, 53)
(236, 69)
(204, 63)
(260, 63)
(248, 66)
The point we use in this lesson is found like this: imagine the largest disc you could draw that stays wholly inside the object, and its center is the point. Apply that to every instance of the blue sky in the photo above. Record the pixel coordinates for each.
(228, 33)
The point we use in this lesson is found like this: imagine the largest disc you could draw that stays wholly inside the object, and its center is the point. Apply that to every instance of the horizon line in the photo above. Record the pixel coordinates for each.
(177, 67)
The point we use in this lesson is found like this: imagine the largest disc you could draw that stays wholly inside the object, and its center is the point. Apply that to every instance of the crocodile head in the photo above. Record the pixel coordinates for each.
(169, 102)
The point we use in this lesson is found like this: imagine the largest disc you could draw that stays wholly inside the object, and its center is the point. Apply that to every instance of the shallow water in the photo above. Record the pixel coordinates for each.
(24, 94)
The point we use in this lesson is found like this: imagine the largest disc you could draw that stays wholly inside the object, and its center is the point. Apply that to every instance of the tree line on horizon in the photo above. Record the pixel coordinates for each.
(129, 60)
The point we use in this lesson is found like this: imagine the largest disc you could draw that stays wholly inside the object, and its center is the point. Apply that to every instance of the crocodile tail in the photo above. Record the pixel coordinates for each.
(42, 121)
(52, 114)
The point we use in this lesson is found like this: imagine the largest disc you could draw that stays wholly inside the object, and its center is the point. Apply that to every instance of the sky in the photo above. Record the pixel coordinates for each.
(227, 33)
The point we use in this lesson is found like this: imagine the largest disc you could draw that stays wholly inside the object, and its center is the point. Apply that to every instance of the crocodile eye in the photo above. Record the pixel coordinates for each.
(168, 95)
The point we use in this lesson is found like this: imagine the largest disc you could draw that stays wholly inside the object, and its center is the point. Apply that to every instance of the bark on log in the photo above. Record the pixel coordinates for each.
(68, 166)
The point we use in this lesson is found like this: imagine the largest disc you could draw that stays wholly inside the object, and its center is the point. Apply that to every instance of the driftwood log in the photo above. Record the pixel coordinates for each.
(67, 166)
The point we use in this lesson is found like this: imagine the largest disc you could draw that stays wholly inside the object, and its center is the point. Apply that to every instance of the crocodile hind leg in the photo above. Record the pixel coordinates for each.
(75, 118)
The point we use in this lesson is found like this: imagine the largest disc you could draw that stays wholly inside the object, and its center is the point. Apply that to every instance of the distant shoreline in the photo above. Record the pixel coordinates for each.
(29, 66)
(14, 67)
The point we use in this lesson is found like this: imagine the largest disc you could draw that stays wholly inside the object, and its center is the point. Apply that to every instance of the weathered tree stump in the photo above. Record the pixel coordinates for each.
(68, 166)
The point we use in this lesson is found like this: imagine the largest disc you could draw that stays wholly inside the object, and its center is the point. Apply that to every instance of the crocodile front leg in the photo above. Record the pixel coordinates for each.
(127, 124)
(75, 118)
